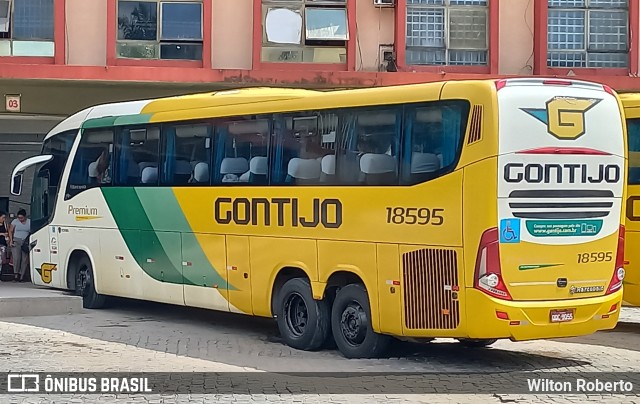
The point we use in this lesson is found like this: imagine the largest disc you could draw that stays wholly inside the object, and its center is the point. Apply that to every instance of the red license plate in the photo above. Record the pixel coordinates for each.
(561, 316)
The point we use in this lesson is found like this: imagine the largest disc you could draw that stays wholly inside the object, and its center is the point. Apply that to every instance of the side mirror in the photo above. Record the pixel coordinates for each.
(16, 184)
(18, 171)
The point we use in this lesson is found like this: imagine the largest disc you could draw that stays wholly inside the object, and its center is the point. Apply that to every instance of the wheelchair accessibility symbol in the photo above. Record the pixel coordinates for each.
(510, 231)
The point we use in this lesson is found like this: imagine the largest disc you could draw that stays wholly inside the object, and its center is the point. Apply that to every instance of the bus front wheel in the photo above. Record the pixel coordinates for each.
(86, 287)
(351, 325)
(303, 321)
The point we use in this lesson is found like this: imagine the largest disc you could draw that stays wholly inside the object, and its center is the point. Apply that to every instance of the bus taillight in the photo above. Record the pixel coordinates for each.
(488, 274)
(618, 270)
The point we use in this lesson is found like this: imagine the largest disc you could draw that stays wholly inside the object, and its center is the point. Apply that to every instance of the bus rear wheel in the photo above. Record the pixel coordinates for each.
(303, 321)
(351, 325)
(85, 285)
(476, 343)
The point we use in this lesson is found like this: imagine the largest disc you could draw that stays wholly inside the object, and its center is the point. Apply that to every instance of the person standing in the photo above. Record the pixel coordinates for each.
(4, 237)
(18, 233)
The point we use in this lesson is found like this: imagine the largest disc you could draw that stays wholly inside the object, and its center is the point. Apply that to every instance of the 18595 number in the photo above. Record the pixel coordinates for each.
(601, 256)
(421, 216)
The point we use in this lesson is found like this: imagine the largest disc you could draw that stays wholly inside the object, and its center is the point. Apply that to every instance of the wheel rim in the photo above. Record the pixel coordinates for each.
(354, 323)
(84, 280)
(296, 314)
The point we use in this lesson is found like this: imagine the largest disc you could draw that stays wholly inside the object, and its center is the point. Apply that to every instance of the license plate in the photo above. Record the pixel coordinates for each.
(561, 316)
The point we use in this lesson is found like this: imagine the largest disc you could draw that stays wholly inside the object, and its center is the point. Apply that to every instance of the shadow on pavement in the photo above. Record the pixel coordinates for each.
(624, 336)
(254, 342)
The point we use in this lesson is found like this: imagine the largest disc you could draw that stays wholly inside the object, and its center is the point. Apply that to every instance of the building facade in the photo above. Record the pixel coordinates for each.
(59, 56)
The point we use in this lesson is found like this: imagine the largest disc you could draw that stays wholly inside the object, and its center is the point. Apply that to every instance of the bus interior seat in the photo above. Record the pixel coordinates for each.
(634, 175)
(257, 173)
(423, 166)
(232, 168)
(144, 164)
(378, 169)
(149, 175)
(201, 173)
(182, 172)
(258, 167)
(303, 171)
(328, 165)
(424, 163)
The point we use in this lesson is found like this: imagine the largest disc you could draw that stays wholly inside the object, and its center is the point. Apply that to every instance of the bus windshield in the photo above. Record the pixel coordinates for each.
(47, 176)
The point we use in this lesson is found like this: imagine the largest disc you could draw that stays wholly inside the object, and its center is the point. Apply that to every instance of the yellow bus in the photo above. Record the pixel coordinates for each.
(631, 104)
(474, 210)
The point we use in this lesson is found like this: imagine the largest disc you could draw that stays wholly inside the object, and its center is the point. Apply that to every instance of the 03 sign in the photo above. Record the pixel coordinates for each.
(12, 103)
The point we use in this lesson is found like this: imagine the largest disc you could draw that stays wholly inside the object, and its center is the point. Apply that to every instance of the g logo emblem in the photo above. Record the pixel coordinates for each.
(45, 272)
(564, 116)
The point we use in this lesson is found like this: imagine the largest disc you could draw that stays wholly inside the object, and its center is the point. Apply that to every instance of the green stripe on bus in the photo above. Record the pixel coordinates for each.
(136, 119)
(143, 242)
(122, 120)
(106, 122)
(167, 215)
(156, 232)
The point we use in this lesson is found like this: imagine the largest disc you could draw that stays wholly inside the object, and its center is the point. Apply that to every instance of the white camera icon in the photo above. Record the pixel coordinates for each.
(23, 383)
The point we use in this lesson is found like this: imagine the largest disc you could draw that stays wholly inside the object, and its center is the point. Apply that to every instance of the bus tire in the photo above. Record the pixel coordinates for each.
(85, 285)
(351, 325)
(304, 322)
(476, 343)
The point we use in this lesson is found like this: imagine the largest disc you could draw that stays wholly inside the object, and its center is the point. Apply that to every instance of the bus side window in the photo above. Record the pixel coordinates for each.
(186, 154)
(92, 163)
(368, 147)
(433, 133)
(136, 157)
(304, 153)
(242, 151)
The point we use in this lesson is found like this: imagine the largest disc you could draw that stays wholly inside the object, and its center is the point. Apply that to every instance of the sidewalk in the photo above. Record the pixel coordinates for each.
(26, 299)
(629, 314)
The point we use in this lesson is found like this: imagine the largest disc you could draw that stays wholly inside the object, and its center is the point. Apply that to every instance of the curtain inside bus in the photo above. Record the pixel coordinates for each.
(170, 155)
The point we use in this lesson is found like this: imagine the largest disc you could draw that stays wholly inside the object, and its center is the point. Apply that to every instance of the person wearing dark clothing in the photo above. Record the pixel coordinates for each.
(4, 235)
(18, 233)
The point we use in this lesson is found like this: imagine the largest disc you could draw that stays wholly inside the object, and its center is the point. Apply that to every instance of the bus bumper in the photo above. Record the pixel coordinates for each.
(532, 320)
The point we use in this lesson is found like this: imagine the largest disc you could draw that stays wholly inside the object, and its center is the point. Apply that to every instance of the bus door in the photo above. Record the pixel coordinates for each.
(46, 256)
(46, 251)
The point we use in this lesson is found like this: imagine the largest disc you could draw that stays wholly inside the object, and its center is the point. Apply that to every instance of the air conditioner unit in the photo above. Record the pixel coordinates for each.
(384, 3)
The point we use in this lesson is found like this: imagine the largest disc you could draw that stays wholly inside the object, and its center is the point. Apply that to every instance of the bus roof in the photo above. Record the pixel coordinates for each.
(75, 121)
(143, 108)
(258, 100)
(630, 100)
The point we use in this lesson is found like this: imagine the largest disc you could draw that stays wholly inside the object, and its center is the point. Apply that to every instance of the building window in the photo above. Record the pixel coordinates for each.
(159, 30)
(26, 28)
(304, 31)
(588, 33)
(447, 32)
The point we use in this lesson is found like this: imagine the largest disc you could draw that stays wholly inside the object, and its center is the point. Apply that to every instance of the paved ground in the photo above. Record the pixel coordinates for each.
(140, 336)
